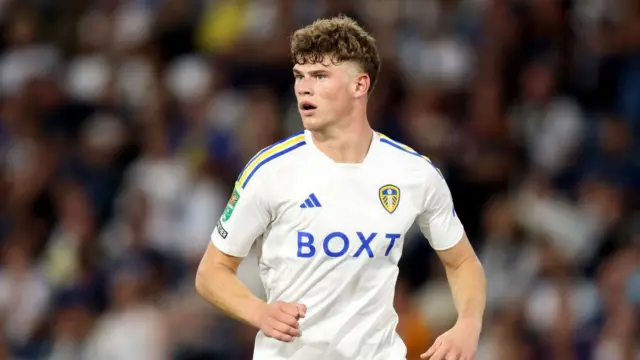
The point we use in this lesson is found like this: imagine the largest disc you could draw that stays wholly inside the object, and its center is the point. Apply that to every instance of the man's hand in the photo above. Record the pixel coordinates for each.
(280, 320)
(459, 343)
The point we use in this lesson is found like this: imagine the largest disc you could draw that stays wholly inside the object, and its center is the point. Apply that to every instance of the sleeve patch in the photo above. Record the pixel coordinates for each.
(231, 205)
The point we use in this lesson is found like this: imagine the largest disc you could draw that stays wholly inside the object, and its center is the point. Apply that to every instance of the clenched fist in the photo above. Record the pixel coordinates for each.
(279, 320)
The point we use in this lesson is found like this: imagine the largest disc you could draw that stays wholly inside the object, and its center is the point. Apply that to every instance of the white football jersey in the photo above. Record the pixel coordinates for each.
(330, 236)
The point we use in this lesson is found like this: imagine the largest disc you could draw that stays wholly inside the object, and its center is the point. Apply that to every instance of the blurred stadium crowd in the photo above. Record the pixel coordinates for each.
(124, 123)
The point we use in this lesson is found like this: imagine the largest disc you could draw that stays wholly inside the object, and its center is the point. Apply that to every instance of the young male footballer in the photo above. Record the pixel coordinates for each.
(328, 210)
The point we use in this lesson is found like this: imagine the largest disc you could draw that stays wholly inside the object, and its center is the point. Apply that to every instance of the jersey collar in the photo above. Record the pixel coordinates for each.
(374, 143)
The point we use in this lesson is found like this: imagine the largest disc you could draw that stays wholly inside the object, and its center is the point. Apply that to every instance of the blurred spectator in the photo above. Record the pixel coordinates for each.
(71, 321)
(549, 126)
(133, 325)
(24, 290)
(412, 326)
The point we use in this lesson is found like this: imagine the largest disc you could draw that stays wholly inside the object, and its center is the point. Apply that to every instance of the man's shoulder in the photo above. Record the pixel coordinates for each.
(404, 158)
(273, 157)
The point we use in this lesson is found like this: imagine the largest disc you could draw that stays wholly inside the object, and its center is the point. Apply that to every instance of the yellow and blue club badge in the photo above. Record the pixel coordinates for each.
(389, 197)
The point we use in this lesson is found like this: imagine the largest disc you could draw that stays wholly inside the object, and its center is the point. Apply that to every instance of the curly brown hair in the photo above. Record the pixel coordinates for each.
(338, 39)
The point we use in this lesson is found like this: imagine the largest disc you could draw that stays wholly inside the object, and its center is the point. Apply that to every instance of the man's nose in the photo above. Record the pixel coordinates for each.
(304, 88)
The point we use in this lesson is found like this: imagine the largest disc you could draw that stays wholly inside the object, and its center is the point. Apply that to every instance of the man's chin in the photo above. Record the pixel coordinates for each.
(312, 123)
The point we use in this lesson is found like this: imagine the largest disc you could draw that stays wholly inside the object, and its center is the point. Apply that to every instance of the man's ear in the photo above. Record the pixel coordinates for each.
(362, 83)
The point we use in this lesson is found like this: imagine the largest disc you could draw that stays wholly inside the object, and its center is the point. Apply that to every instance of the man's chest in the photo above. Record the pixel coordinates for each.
(346, 215)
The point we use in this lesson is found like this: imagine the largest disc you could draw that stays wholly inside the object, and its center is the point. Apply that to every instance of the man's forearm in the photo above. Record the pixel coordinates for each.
(221, 287)
(468, 287)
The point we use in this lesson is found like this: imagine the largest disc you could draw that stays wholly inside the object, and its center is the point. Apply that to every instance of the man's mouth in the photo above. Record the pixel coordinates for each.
(307, 106)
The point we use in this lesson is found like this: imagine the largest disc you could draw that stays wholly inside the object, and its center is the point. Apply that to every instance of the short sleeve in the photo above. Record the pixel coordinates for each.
(438, 221)
(244, 219)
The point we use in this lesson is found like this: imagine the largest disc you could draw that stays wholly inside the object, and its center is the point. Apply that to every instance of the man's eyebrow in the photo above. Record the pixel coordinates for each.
(312, 72)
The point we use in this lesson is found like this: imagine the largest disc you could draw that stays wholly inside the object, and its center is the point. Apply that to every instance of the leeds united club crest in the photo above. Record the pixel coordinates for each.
(389, 197)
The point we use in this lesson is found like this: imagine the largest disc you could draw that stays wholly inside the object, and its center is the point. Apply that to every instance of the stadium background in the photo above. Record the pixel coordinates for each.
(124, 124)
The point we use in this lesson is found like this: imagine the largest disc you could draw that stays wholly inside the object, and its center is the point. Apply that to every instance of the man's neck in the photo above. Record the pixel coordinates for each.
(348, 144)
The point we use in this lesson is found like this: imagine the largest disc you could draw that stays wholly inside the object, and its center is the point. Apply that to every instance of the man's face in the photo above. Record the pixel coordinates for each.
(538, 83)
(325, 92)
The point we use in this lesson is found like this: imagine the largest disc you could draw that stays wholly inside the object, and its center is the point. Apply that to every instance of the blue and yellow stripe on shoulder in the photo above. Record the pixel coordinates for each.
(268, 154)
(402, 147)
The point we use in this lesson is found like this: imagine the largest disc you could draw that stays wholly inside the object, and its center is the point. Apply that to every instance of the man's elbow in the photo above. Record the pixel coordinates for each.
(206, 278)
(201, 281)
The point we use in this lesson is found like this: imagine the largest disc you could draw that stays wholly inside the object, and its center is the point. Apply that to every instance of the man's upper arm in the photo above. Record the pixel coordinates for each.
(456, 255)
(244, 219)
(213, 257)
(438, 221)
